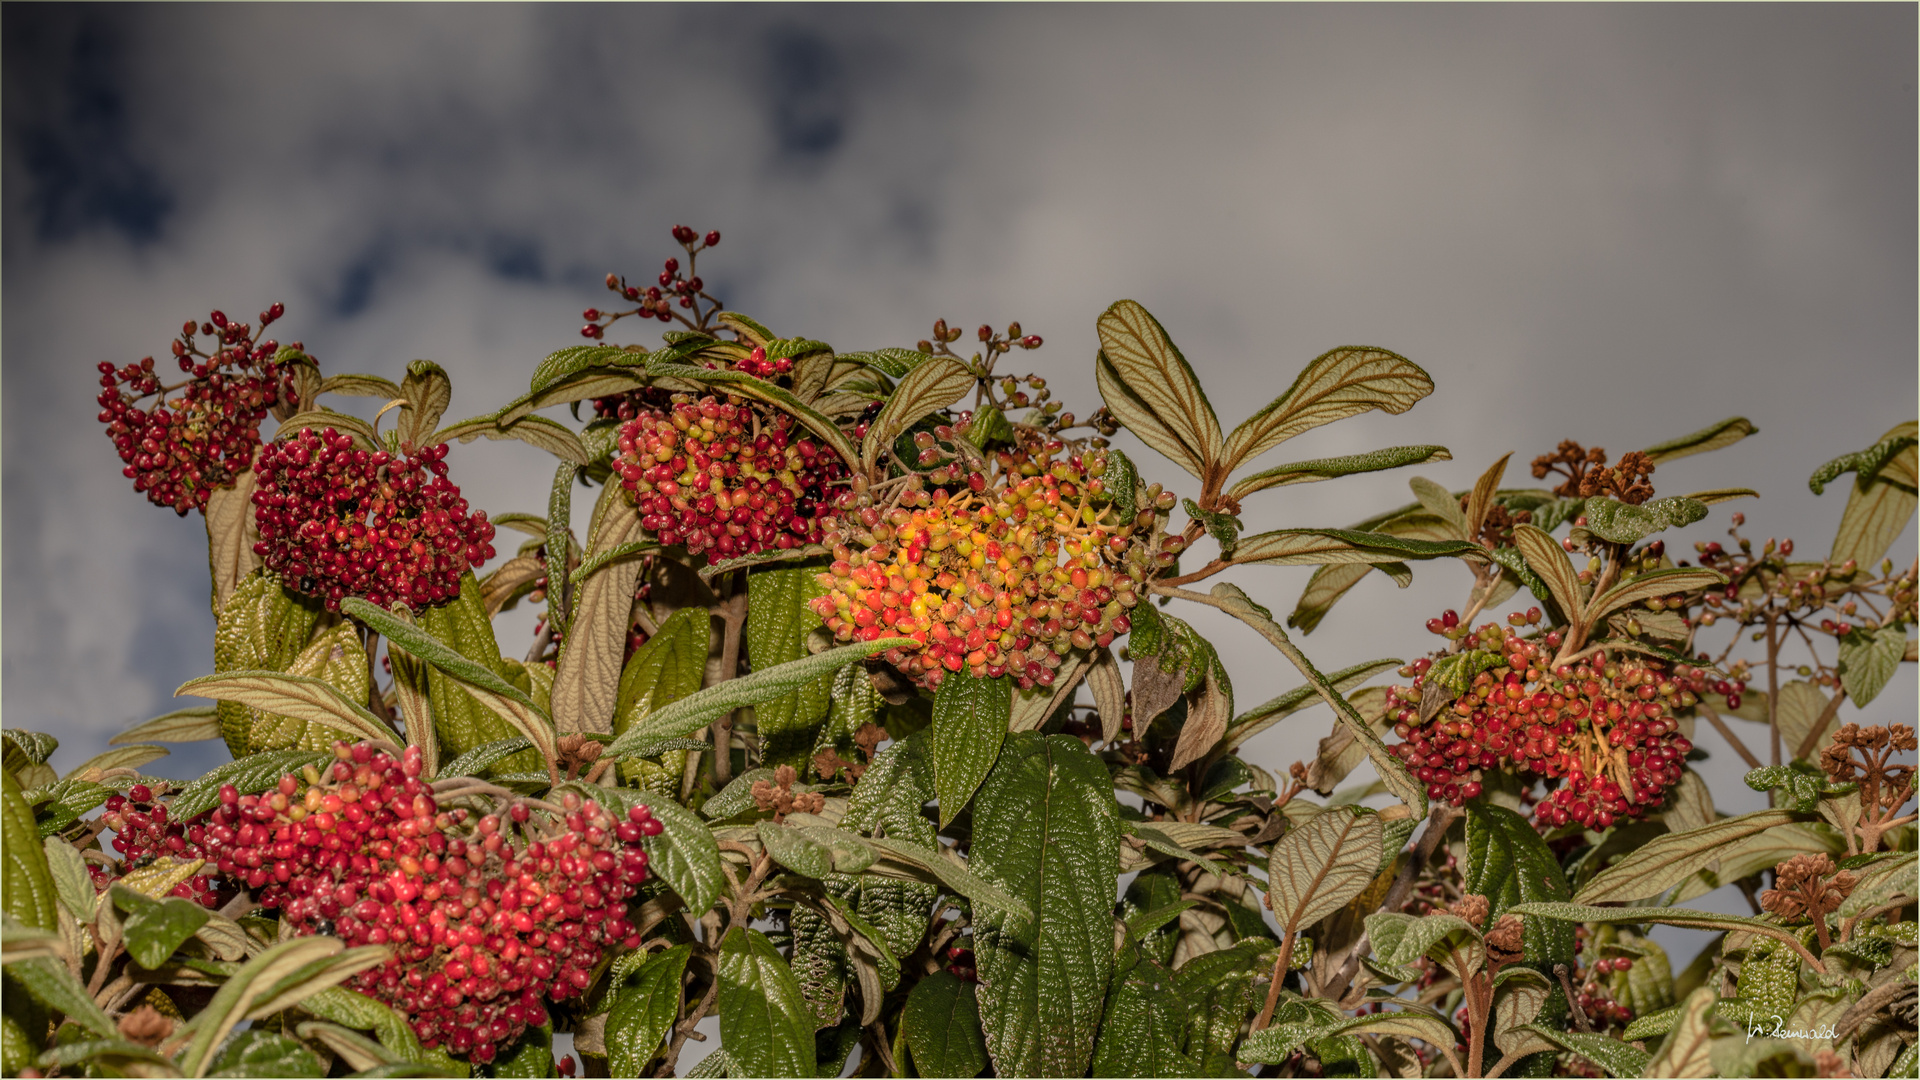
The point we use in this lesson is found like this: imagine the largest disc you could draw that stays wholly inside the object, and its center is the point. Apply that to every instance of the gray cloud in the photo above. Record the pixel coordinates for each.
(1613, 223)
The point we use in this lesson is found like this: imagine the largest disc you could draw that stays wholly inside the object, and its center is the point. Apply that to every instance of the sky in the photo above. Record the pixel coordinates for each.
(1614, 223)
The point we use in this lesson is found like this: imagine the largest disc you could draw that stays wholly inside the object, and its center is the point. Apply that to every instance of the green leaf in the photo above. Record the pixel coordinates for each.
(1725, 433)
(1314, 547)
(1549, 561)
(1649, 585)
(1340, 383)
(254, 981)
(700, 709)
(586, 683)
(942, 1025)
(301, 697)
(1881, 506)
(1868, 659)
(263, 627)
(970, 717)
(1308, 472)
(258, 1052)
(764, 1022)
(124, 757)
(191, 724)
(390, 1029)
(1321, 864)
(1149, 387)
(251, 775)
(950, 871)
(668, 667)
(480, 758)
(1275, 1044)
(1224, 528)
(890, 795)
(114, 1054)
(1218, 987)
(933, 384)
(231, 534)
(684, 855)
(746, 386)
(354, 385)
(1688, 1049)
(778, 623)
(1668, 860)
(643, 1011)
(574, 359)
(1455, 672)
(1144, 1030)
(487, 688)
(1865, 463)
(1441, 503)
(1625, 523)
(154, 928)
(793, 850)
(1509, 863)
(461, 721)
(1393, 772)
(1616, 1058)
(427, 391)
(1665, 916)
(1046, 828)
(1401, 940)
(61, 803)
(54, 986)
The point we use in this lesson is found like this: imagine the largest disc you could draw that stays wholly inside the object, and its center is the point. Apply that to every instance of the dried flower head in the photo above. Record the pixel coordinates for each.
(146, 1025)
(1808, 887)
(1572, 461)
(1864, 756)
(1472, 907)
(1506, 942)
(1626, 481)
(779, 796)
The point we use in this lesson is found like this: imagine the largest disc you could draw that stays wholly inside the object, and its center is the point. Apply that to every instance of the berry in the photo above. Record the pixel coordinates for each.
(486, 919)
(1002, 580)
(336, 521)
(725, 478)
(1602, 731)
(182, 448)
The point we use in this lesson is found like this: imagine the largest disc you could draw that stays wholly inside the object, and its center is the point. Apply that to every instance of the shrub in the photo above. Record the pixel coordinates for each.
(824, 734)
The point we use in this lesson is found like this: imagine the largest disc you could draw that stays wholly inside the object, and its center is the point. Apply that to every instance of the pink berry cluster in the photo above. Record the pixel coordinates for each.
(485, 926)
(181, 449)
(725, 478)
(1604, 728)
(1000, 581)
(657, 301)
(337, 521)
(143, 831)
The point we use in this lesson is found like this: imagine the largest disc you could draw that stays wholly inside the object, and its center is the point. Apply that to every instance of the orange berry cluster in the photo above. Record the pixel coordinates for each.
(1006, 580)
(1603, 728)
(725, 478)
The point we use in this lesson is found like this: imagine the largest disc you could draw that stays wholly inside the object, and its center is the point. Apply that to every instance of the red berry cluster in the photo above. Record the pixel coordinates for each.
(1000, 581)
(484, 928)
(725, 478)
(656, 301)
(1604, 728)
(336, 521)
(181, 449)
(143, 831)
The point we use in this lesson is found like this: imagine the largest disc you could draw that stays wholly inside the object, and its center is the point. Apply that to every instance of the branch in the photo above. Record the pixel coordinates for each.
(1726, 733)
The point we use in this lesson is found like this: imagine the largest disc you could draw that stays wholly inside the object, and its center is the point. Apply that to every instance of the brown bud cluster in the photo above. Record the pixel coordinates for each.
(336, 521)
(1000, 581)
(726, 478)
(1808, 887)
(182, 448)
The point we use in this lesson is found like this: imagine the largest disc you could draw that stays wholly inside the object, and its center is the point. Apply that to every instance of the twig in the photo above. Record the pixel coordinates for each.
(1812, 738)
(733, 613)
(1566, 984)
(376, 702)
(1726, 733)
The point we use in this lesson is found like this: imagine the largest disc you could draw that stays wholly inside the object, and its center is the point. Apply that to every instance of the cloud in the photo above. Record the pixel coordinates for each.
(1611, 224)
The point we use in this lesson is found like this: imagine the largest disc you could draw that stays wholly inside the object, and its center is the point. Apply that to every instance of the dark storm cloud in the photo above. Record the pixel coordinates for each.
(68, 125)
(1610, 223)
